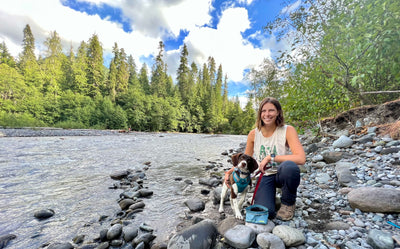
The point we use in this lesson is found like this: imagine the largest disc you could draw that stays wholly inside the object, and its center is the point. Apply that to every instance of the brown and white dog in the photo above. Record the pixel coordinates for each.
(239, 183)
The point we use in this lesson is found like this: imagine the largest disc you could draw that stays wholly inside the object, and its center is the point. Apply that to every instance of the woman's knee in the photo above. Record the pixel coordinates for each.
(289, 168)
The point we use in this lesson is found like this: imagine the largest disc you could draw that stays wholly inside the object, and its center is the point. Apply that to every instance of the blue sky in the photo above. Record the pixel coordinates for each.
(230, 31)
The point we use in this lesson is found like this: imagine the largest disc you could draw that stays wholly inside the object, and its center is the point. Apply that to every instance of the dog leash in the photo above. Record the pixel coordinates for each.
(258, 183)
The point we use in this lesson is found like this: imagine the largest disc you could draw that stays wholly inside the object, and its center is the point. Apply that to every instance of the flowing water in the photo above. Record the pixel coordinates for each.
(71, 175)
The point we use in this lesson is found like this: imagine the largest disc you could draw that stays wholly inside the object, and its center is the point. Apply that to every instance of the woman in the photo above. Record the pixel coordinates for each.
(278, 150)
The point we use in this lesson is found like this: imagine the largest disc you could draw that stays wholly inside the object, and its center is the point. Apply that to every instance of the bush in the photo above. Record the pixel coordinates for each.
(16, 120)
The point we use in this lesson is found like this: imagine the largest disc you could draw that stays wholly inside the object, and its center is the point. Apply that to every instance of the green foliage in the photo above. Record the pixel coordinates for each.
(19, 120)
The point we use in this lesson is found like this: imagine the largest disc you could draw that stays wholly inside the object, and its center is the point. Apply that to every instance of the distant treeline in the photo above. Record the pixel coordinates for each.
(76, 90)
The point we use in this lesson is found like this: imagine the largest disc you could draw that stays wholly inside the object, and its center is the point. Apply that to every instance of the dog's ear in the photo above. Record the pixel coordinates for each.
(253, 165)
(235, 158)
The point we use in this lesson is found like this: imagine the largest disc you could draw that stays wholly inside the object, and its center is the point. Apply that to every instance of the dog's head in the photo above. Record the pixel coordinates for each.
(244, 163)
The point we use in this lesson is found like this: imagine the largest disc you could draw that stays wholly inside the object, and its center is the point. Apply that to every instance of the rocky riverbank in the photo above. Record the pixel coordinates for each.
(349, 197)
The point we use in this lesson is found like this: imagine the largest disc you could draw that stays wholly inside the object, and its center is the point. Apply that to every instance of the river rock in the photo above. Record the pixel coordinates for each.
(144, 237)
(125, 203)
(342, 142)
(4, 239)
(44, 214)
(66, 245)
(145, 192)
(332, 156)
(240, 236)
(372, 199)
(198, 236)
(129, 232)
(260, 228)
(137, 205)
(228, 223)
(337, 225)
(344, 175)
(114, 232)
(212, 182)
(380, 240)
(195, 205)
(270, 241)
(119, 175)
(290, 236)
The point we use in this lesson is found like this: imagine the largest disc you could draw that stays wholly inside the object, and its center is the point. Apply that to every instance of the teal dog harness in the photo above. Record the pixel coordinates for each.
(241, 183)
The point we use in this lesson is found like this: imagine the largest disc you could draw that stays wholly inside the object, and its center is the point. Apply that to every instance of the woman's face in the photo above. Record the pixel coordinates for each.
(269, 114)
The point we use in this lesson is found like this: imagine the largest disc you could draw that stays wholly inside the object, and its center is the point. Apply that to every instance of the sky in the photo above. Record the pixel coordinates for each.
(229, 31)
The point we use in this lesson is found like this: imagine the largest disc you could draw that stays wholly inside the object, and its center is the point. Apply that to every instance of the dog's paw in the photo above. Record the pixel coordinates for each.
(239, 216)
(221, 210)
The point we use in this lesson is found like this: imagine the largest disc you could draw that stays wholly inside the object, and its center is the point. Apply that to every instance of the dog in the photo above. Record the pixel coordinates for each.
(239, 183)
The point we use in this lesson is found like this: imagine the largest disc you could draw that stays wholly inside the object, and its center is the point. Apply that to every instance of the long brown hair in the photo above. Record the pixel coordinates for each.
(280, 121)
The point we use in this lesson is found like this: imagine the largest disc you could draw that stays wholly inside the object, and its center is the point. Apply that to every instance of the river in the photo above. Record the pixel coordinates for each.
(71, 175)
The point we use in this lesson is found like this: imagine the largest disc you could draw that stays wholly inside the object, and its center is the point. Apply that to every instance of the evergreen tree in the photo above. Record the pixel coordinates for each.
(80, 70)
(52, 65)
(133, 81)
(183, 74)
(95, 69)
(111, 84)
(27, 60)
(144, 79)
(5, 56)
(123, 73)
(159, 79)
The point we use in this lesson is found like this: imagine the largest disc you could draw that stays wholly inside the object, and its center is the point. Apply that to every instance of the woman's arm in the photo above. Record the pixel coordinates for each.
(250, 143)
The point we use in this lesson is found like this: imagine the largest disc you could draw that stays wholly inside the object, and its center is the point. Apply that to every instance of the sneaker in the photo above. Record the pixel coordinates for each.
(286, 212)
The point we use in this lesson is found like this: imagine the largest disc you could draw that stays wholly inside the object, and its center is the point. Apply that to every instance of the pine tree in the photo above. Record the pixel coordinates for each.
(27, 60)
(5, 56)
(183, 76)
(52, 65)
(122, 73)
(133, 81)
(95, 68)
(144, 79)
(159, 79)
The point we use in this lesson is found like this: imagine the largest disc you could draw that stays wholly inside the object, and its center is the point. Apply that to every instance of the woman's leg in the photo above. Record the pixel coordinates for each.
(265, 194)
(288, 179)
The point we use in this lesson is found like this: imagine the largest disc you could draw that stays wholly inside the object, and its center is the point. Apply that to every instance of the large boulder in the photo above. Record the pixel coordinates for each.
(377, 200)
(199, 236)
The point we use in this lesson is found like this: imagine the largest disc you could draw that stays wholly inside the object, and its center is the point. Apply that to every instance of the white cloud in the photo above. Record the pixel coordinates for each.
(226, 44)
(151, 21)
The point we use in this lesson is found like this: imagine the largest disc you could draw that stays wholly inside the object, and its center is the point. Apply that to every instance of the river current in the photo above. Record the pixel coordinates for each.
(71, 175)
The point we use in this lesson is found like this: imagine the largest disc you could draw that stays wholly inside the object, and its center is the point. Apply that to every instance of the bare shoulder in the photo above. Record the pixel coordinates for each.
(252, 132)
(290, 130)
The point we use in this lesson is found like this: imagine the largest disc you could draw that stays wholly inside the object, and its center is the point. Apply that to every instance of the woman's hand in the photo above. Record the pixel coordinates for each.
(263, 165)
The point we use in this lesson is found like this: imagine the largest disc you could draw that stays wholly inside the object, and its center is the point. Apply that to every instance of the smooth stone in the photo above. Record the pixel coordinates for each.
(342, 142)
(290, 236)
(377, 200)
(125, 203)
(260, 228)
(380, 240)
(240, 236)
(44, 214)
(114, 232)
(145, 192)
(269, 241)
(119, 175)
(198, 236)
(4, 239)
(66, 245)
(195, 205)
(129, 233)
